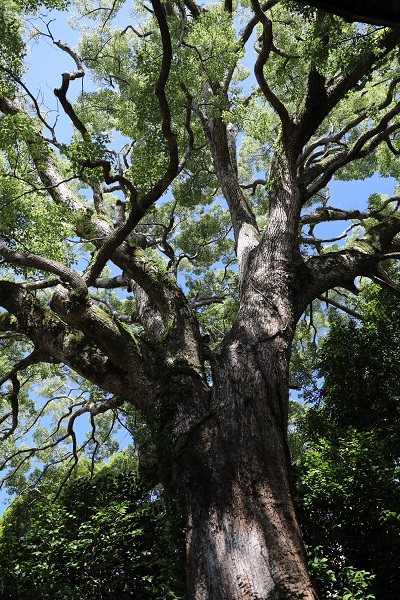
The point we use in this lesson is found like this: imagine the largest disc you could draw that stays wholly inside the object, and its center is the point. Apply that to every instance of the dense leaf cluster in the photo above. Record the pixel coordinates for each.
(102, 538)
(347, 474)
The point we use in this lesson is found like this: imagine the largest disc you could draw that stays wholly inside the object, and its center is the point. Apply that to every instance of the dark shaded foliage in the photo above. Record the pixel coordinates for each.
(347, 484)
(106, 537)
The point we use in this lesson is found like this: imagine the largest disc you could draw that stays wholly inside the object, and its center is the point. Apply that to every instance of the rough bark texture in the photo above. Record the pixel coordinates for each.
(243, 539)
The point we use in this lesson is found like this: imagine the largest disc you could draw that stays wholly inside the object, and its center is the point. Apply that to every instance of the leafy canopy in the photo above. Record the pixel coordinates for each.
(138, 102)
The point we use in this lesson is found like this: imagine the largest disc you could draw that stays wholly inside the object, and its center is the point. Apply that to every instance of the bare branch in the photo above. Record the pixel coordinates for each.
(253, 185)
(13, 396)
(311, 240)
(330, 213)
(35, 104)
(331, 139)
(61, 92)
(248, 30)
(160, 90)
(141, 35)
(111, 282)
(105, 165)
(200, 302)
(111, 309)
(365, 144)
(342, 307)
(323, 97)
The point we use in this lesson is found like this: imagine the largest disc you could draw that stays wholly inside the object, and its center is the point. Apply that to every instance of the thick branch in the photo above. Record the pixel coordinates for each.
(160, 91)
(110, 337)
(61, 92)
(343, 83)
(45, 264)
(366, 144)
(260, 63)
(326, 141)
(335, 90)
(72, 347)
(340, 268)
(245, 227)
(248, 30)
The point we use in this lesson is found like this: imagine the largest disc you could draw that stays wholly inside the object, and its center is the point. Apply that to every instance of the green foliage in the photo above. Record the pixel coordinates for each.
(104, 537)
(12, 47)
(29, 219)
(372, 377)
(358, 583)
(211, 47)
(33, 5)
(347, 473)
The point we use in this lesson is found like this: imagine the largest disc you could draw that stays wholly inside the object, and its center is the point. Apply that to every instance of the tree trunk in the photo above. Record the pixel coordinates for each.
(243, 540)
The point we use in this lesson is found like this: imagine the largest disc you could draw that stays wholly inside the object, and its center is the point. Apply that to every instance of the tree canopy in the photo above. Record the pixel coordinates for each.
(159, 252)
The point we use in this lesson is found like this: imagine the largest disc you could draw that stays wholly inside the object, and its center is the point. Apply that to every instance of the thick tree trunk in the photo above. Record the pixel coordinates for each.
(243, 540)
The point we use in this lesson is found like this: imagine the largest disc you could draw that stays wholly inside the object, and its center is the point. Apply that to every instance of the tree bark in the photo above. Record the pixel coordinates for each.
(243, 540)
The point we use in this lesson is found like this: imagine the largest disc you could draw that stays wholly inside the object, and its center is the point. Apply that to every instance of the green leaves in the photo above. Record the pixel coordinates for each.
(103, 535)
(347, 474)
(211, 46)
(12, 47)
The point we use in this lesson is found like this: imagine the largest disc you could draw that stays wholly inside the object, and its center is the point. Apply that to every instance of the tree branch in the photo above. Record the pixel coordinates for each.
(160, 91)
(327, 140)
(365, 144)
(45, 264)
(378, 275)
(345, 309)
(34, 358)
(174, 166)
(262, 58)
(71, 347)
(333, 91)
(340, 268)
(13, 396)
(330, 213)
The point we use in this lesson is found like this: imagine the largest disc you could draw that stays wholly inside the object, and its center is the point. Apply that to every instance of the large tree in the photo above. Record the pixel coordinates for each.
(199, 347)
